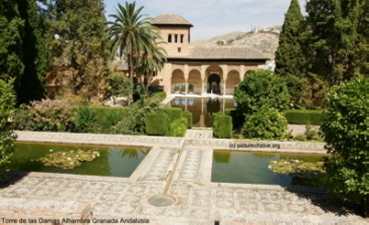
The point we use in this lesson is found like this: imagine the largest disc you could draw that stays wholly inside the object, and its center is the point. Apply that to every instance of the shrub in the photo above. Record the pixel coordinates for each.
(178, 128)
(188, 116)
(313, 117)
(7, 101)
(265, 124)
(157, 123)
(111, 118)
(85, 120)
(261, 89)
(158, 96)
(45, 115)
(237, 117)
(346, 132)
(222, 125)
(174, 113)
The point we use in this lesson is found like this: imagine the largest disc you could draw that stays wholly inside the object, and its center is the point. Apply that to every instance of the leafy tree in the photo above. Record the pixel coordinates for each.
(267, 123)
(259, 89)
(260, 97)
(134, 38)
(11, 37)
(7, 136)
(346, 132)
(290, 55)
(78, 46)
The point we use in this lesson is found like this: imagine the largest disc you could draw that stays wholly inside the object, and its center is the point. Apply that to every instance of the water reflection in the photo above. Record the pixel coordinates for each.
(252, 168)
(116, 161)
(202, 108)
(132, 152)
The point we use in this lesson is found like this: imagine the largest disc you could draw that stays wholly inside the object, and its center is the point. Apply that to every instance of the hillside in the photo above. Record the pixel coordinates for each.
(265, 40)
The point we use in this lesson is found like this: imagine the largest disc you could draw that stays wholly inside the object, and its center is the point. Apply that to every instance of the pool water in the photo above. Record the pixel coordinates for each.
(113, 161)
(202, 108)
(252, 168)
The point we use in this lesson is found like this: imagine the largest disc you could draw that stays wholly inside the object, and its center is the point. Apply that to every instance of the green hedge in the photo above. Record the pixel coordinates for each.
(173, 113)
(237, 117)
(313, 117)
(178, 128)
(188, 116)
(158, 96)
(157, 123)
(222, 125)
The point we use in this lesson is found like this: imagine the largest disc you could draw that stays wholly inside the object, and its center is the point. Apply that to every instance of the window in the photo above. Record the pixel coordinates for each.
(179, 49)
(176, 38)
(182, 38)
(169, 38)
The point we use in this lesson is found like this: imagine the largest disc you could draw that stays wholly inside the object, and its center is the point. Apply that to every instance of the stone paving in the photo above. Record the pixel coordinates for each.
(180, 167)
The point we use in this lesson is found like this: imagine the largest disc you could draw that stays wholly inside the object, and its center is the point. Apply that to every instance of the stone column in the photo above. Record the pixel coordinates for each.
(203, 77)
(186, 78)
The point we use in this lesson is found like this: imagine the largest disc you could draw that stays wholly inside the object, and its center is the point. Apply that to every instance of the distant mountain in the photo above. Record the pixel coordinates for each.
(263, 39)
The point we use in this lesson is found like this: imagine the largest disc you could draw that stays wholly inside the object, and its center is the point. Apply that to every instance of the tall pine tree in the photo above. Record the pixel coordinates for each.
(289, 58)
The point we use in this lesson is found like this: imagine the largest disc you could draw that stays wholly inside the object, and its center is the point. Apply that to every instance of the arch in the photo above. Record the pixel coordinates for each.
(194, 81)
(214, 79)
(233, 79)
(178, 81)
(214, 84)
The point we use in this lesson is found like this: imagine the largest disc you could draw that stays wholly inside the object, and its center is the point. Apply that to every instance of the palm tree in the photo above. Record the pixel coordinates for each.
(132, 36)
(151, 63)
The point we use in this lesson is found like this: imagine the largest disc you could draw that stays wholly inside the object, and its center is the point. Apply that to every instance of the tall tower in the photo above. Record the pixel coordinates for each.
(175, 31)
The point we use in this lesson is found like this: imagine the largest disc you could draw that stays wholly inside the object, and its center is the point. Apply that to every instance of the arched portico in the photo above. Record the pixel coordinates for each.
(213, 84)
(194, 82)
(233, 79)
(178, 81)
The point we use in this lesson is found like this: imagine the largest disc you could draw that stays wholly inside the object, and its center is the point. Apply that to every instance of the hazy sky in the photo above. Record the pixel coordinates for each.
(216, 17)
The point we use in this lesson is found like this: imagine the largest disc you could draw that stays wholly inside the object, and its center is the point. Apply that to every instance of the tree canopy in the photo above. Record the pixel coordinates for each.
(346, 132)
(22, 53)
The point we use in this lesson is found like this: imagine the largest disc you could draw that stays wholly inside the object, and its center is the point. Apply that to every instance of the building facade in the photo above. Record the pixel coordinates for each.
(201, 69)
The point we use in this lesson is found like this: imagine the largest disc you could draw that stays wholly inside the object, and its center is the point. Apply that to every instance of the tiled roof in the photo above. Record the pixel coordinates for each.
(223, 52)
(170, 19)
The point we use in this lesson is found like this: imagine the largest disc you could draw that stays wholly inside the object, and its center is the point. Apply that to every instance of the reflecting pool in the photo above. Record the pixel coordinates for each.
(202, 108)
(113, 161)
(252, 168)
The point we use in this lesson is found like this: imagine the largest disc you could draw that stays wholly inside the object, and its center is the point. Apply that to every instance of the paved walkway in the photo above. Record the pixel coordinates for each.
(180, 167)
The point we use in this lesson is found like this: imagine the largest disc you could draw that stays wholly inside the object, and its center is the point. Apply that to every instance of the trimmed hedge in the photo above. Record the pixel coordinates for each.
(173, 113)
(157, 123)
(159, 96)
(109, 116)
(188, 116)
(313, 117)
(237, 117)
(178, 128)
(222, 125)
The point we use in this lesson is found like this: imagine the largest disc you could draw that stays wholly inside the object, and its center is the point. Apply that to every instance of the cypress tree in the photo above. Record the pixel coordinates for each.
(290, 59)
(32, 82)
(22, 49)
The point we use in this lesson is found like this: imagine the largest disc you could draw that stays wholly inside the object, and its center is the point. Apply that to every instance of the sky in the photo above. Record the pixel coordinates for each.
(215, 17)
